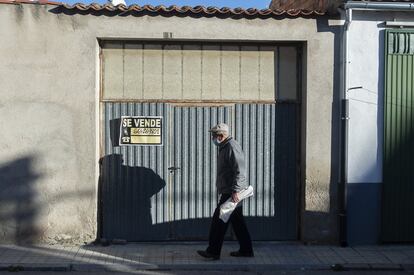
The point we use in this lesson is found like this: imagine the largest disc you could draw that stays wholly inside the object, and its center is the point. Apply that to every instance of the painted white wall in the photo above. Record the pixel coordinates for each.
(366, 69)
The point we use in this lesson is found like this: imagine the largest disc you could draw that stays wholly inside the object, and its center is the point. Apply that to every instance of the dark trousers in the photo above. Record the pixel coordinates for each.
(218, 229)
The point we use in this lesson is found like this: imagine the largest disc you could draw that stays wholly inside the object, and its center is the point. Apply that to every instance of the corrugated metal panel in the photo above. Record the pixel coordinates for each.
(134, 179)
(144, 201)
(398, 187)
(195, 196)
(268, 135)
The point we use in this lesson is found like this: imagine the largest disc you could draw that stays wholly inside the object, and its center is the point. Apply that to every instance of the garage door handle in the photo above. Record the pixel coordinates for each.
(173, 169)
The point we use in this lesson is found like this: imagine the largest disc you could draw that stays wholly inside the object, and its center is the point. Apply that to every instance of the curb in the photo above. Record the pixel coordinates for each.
(209, 267)
(201, 267)
(126, 267)
(111, 267)
(408, 267)
(386, 267)
(368, 267)
(35, 267)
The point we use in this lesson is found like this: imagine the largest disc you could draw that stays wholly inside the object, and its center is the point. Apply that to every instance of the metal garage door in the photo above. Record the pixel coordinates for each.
(168, 192)
(398, 187)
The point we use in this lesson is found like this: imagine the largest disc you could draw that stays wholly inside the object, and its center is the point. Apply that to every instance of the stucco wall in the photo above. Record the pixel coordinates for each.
(49, 146)
(366, 70)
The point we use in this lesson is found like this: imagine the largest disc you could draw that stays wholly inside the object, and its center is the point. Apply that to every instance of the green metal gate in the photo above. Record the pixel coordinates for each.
(398, 186)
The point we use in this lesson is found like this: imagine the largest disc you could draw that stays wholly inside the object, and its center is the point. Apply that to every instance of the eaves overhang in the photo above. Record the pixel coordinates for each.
(197, 11)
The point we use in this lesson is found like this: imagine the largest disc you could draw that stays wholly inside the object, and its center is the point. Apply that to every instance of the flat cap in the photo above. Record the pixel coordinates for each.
(220, 128)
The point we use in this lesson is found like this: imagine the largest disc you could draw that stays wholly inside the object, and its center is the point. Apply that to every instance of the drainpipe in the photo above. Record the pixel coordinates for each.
(342, 190)
(379, 6)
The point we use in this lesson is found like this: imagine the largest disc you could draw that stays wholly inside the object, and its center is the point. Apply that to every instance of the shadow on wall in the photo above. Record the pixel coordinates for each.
(22, 201)
(114, 126)
(138, 185)
(125, 212)
(19, 207)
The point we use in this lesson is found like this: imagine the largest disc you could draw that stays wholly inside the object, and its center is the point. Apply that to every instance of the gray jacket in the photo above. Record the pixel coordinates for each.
(231, 167)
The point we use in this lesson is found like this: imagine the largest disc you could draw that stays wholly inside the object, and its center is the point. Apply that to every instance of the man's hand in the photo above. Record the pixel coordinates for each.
(235, 197)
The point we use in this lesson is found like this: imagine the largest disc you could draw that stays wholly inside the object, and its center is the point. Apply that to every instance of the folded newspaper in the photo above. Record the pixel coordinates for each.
(228, 207)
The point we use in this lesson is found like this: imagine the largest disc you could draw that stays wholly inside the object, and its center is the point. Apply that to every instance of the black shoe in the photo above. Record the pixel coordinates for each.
(208, 255)
(241, 254)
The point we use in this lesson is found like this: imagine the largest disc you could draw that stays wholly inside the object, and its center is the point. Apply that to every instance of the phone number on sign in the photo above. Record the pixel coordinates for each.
(145, 131)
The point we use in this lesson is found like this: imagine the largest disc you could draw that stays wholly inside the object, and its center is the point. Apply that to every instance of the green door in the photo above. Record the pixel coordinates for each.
(398, 166)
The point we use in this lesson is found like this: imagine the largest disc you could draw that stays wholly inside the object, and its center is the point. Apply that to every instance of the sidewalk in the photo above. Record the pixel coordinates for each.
(182, 256)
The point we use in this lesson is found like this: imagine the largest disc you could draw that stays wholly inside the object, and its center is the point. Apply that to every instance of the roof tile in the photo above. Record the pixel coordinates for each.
(186, 10)
(40, 2)
(174, 10)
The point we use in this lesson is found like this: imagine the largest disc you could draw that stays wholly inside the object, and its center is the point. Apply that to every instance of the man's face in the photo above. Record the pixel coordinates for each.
(218, 137)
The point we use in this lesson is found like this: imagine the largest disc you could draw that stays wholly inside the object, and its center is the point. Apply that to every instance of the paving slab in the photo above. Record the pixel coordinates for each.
(269, 256)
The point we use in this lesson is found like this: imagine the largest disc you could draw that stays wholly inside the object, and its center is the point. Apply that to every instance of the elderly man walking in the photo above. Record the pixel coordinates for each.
(231, 179)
